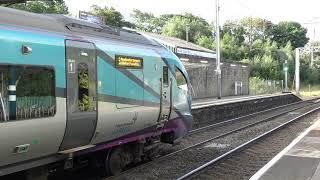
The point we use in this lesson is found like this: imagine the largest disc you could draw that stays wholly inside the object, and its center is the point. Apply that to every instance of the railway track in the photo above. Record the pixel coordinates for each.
(250, 115)
(219, 135)
(199, 136)
(201, 172)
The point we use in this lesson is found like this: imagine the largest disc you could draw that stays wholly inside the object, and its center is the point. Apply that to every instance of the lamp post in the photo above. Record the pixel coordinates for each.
(218, 68)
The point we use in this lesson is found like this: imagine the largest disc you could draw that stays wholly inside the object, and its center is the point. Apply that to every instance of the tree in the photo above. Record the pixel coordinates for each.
(40, 6)
(197, 26)
(207, 42)
(231, 50)
(256, 28)
(285, 31)
(234, 29)
(148, 22)
(111, 16)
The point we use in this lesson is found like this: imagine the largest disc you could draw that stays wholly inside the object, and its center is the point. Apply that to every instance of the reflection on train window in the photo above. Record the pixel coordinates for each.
(27, 92)
(181, 80)
(83, 87)
(165, 76)
(2, 109)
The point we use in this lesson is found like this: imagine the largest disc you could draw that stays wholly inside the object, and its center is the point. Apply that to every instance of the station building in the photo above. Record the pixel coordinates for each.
(201, 64)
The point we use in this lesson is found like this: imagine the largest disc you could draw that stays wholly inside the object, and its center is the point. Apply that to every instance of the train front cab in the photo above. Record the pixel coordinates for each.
(180, 116)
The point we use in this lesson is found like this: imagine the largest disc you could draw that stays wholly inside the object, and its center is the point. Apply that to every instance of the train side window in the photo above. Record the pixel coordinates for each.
(181, 80)
(27, 92)
(165, 75)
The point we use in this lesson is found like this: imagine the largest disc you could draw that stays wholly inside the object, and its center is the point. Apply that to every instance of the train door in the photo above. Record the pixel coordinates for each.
(165, 99)
(81, 94)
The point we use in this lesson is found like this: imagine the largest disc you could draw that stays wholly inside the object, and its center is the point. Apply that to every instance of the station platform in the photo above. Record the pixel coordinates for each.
(214, 110)
(300, 160)
(205, 102)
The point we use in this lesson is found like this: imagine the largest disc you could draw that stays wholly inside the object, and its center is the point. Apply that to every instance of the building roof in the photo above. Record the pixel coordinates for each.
(177, 42)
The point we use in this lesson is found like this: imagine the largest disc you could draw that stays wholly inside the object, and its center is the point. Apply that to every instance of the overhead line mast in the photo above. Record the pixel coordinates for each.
(218, 68)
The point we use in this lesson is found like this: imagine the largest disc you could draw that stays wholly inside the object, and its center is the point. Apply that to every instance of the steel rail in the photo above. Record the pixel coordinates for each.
(238, 148)
(248, 115)
(213, 138)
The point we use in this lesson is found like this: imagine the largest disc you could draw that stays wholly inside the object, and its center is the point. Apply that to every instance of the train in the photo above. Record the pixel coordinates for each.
(76, 92)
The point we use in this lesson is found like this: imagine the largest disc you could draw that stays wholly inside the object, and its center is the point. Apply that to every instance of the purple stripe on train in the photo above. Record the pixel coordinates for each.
(179, 126)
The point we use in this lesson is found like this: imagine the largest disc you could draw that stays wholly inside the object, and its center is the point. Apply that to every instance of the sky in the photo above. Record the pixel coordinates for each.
(305, 12)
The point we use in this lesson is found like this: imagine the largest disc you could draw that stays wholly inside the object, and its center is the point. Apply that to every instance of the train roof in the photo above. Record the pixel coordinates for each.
(69, 26)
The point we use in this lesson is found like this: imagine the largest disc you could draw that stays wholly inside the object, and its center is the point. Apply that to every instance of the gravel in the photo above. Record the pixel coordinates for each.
(247, 162)
(164, 169)
(181, 163)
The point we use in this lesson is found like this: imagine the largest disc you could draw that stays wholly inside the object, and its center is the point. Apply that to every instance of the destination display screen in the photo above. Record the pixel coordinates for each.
(129, 62)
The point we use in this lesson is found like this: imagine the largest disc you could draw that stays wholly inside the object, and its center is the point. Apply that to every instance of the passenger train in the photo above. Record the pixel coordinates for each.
(72, 91)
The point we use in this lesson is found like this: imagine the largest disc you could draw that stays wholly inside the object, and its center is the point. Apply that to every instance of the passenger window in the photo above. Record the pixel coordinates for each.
(27, 92)
(181, 80)
(83, 87)
(165, 75)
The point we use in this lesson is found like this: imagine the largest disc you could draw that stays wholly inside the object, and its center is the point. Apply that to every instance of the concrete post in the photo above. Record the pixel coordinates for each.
(297, 71)
(218, 70)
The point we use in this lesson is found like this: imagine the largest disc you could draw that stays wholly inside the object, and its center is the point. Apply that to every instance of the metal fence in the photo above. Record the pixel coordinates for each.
(258, 86)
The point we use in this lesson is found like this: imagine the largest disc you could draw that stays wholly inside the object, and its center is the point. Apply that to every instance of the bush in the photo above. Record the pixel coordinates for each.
(261, 86)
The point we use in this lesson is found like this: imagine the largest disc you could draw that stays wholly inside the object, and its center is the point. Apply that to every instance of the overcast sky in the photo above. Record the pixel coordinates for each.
(305, 12)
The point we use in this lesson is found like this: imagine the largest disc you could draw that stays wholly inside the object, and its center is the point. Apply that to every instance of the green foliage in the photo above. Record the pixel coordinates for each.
(84, 103)
(293, 32)
(234, 29)
(148, 22)
(111, 16)
(262, 44)
(40, 6)
(230, 49)
(207, 42)
(258, 86)
(309, 75)
(197, 26)
(261, 86)
(265, 46)
(83, 89)
(255, 28)
(84, 79)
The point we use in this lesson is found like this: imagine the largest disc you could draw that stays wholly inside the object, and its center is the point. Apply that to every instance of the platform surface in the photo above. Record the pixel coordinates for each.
(300, 160)
(200, 103)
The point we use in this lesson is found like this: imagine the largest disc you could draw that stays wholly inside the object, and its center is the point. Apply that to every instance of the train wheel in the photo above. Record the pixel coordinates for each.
(114, 163)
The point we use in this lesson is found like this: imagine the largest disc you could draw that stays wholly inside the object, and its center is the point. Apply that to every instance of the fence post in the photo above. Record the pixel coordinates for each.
(309, 90)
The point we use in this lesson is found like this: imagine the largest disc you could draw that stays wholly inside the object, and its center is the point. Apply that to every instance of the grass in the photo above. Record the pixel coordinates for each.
(314, 91)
